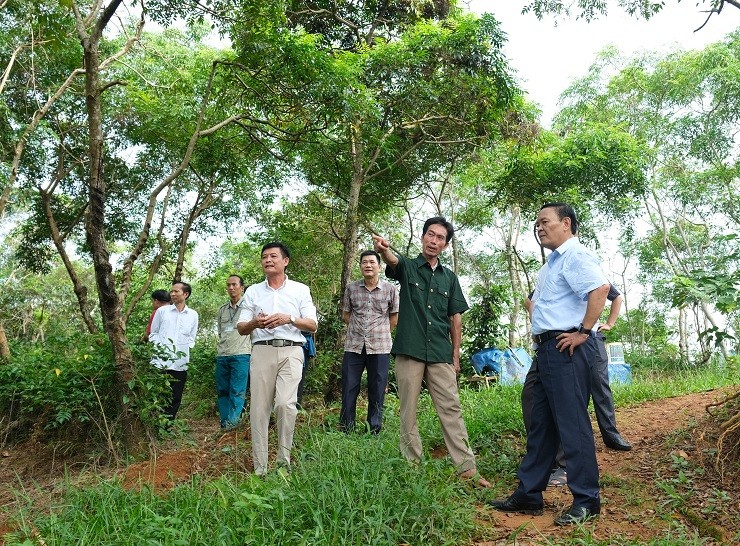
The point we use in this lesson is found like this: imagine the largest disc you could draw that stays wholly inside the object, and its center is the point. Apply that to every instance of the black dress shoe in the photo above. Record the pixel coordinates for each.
(576, 515)
(618, 443)
(513, 505)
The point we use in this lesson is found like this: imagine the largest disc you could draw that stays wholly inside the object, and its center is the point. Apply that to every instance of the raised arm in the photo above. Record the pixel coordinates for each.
(383, 248)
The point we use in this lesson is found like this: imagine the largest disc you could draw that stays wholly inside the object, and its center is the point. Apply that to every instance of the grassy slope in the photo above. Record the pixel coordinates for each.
(344, 490)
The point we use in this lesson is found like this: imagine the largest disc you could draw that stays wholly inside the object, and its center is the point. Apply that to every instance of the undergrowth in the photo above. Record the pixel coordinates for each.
(356, 489)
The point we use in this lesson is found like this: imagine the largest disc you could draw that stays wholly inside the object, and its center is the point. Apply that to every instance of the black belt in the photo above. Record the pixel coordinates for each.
(550, 334)
(279, 342)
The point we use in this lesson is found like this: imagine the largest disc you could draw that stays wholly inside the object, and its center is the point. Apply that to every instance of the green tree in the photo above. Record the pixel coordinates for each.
(124, 160)
(400, 98)
(592, 9)
(683, 107)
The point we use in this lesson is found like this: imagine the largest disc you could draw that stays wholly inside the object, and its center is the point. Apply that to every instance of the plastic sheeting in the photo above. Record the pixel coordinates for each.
(510, 366)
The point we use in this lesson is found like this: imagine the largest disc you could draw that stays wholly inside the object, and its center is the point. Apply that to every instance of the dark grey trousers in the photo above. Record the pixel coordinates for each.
(601, 394)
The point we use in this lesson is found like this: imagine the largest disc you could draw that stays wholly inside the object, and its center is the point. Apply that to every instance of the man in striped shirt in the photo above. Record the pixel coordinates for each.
(370, 311)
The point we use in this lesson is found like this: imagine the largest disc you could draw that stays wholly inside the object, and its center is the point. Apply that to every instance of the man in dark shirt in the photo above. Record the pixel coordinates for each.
(427, 344)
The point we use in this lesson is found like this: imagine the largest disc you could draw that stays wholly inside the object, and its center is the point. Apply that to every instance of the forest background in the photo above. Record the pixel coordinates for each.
(133, 157)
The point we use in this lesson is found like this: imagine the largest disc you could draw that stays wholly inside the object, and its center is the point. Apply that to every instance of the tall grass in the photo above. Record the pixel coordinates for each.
(653, 384)
(344, 489)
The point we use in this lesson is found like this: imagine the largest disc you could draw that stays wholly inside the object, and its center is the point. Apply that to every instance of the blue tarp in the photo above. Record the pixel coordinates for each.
(509, 365)
(620, 373)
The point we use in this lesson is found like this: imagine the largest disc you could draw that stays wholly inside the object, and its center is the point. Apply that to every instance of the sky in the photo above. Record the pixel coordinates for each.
(548, 55)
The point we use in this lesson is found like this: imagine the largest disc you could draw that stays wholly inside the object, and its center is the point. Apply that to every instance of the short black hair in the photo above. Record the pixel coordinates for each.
(241, 281)
(277, 244)
(442, 221)
(564, 210)
(370, 253)
(185, 288)
(161, 295)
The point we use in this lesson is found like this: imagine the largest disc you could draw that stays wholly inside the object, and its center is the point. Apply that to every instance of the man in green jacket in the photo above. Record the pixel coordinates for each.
(427, 344)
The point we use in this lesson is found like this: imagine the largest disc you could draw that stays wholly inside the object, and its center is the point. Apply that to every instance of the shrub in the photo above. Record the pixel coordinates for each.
(65, 382)
(66, 388)
(200, 390)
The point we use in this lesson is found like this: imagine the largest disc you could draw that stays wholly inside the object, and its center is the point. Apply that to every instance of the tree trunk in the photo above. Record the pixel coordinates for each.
(4, 348)
(351, 225)
(683, 336)
(514, 279)
(349, 252)
(110, 306)
(80, 289)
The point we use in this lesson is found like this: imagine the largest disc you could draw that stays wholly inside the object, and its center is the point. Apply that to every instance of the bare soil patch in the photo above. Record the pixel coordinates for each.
(664, 434)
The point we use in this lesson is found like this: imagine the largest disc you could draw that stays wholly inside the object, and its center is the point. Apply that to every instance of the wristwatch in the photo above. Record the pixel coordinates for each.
(583, 330)
(292, 319)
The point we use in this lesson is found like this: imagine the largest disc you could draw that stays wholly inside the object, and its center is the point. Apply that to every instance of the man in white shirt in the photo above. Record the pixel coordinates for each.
(174, 328)
(275, 312)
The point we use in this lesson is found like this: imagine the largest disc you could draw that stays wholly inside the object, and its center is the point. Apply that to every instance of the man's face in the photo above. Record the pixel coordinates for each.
(177, 294)
(551, 230)
(370, 267)
(273, 262)
(434, 241)
(234, 288)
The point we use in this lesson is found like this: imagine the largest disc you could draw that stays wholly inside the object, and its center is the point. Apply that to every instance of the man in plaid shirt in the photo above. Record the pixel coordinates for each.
(370, 311)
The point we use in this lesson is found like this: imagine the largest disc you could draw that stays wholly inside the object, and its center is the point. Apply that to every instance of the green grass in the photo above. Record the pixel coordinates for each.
(344, 489)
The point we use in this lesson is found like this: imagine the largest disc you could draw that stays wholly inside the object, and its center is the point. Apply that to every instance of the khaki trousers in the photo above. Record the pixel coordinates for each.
(275, 373)
(441, 381)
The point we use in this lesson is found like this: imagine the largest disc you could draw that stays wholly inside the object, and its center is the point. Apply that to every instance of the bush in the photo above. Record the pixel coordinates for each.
(63, 383)
(200, 390)
(66, 388)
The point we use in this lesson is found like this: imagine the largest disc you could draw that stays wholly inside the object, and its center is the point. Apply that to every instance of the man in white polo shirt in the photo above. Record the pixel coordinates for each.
(275, 312)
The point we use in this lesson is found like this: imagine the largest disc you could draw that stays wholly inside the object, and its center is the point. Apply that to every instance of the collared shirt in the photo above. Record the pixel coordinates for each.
(293, 298)
(370, 312)
(428, 299)
(173, 332)
(230, 341)
(613, 293)
(149, 324)
(561, 296)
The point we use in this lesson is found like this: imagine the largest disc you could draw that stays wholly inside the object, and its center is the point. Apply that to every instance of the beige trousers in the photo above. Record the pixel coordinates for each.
(441, 381)
(274, 375)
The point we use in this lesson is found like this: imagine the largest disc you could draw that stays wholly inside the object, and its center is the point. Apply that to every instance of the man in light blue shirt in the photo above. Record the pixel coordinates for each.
(569, 298)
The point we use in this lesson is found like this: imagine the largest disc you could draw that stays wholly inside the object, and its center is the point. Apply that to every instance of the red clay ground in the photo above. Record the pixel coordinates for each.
(629, 491)
(628, 479)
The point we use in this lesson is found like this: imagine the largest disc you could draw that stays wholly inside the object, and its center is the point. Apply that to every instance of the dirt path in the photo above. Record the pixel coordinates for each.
(628, 479)
(629, 490)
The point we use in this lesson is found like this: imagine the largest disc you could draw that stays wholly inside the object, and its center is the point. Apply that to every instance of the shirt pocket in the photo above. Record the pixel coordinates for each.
(381, 305)
(439, 299)
(183, 332)
(418, 292)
